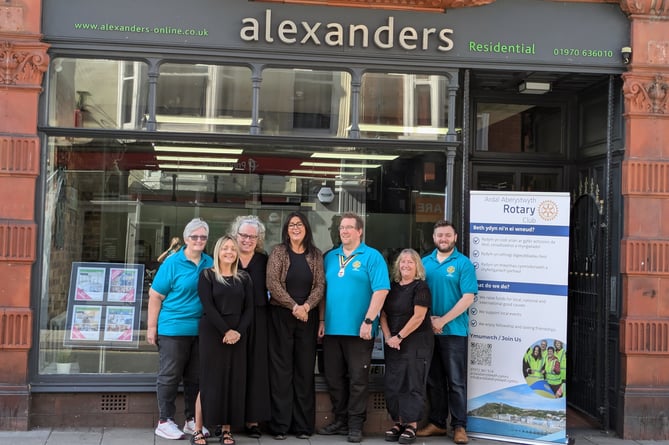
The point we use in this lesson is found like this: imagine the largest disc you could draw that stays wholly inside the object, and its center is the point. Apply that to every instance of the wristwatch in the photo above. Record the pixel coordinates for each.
(368, 321)
(399, 336)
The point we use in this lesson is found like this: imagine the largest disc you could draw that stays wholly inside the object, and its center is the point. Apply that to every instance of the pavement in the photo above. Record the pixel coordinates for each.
(132, 436)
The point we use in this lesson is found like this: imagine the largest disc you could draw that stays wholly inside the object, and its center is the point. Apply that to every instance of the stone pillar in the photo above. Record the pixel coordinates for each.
(23, 61)
(643, 401)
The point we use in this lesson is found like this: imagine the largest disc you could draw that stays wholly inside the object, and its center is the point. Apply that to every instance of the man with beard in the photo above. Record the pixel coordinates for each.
(452, 280)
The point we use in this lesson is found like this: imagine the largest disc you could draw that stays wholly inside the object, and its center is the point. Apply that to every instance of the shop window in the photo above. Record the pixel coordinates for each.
(92, 93)
(519, 128)
(305, 102)
(204, 98)
(403, 106)
(112, 206)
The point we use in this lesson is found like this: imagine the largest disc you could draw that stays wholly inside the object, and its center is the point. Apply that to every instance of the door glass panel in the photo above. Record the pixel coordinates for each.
(495, 181)
(519, 128)
(522, 179)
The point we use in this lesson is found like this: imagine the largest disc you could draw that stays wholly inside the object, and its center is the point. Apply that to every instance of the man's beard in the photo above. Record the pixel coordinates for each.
(448, 249)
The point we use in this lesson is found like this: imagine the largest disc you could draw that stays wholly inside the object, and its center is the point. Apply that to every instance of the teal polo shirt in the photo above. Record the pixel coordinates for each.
(347, 297)
(448, 282)
(177, 279)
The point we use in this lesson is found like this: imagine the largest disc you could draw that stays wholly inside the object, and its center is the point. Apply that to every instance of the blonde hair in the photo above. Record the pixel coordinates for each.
(420, 269)
(217, 266)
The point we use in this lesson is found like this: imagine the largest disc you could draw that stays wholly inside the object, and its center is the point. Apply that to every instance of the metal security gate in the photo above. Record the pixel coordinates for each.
(587, 341)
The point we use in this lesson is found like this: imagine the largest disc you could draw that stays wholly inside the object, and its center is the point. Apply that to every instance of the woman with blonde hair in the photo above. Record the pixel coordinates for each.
(409, 341)
(227, 300)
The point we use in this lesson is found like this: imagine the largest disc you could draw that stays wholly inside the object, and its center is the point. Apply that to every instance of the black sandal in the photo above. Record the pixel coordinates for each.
(227, 439)
(393, 434)
(408, 435)
(198, 438)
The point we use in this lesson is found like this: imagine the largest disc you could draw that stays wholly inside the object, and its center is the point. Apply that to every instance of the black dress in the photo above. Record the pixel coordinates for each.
(257, 388)
(407, 368)
(223, 366)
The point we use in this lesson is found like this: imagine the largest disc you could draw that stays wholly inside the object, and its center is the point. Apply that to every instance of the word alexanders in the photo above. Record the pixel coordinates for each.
(336, 34)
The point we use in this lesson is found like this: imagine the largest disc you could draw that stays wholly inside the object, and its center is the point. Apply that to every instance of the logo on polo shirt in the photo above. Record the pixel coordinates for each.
(356, 265)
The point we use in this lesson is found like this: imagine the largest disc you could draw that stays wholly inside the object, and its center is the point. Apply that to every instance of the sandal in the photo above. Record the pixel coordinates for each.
(408, 435)
(198, 438)
(393, 434)
(227, 439)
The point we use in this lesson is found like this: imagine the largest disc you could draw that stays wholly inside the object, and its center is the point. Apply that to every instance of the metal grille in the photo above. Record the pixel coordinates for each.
(113, 402)
(378, 401)
(586, 350)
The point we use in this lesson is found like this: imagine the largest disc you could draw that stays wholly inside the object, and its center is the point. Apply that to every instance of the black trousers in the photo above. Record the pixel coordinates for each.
(292, 359)
(347, 361)
(405, 378)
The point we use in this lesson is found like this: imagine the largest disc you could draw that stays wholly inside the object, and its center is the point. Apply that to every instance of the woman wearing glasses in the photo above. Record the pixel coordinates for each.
(296, 283)
(172, 325)
(249, 233)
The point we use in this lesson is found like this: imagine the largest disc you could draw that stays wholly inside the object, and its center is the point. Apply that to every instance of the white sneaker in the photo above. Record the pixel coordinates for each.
(169, 430)
(189, 428)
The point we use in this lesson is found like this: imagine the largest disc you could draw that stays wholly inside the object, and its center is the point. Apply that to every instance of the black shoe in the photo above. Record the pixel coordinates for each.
(303, 435)
(280, 436)
(336, 427)
(253, 431)
(355, 436)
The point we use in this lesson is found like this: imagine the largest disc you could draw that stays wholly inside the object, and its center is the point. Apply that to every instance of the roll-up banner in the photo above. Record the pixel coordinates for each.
(519, 244)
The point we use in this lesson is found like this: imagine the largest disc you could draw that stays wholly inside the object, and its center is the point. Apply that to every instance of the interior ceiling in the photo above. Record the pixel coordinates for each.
(508, 81)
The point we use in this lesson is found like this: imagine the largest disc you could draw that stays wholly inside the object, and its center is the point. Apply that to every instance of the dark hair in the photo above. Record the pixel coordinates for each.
(444, 223)
(308, 241)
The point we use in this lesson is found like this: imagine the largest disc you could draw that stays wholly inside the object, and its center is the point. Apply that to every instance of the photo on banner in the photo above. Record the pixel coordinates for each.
(519, 245)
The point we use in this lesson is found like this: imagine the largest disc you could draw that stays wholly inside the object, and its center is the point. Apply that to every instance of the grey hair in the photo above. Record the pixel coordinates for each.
(195, 224)
(251, 220)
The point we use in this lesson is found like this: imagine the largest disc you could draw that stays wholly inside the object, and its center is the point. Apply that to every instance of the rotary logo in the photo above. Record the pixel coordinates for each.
(450, 269)
(548, 210)
(356, 265)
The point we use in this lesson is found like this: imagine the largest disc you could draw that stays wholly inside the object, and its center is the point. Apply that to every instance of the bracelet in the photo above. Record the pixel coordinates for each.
(399, 336)
(321, 320)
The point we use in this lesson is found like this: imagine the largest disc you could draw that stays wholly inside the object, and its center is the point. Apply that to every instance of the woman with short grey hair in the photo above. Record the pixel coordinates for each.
(172, 325)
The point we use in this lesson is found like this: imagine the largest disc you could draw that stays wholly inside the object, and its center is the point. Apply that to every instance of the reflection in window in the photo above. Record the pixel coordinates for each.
(206, 98)
(119, 201)
(296, 101)
(518, 128)
(403, 106)
(92, 93)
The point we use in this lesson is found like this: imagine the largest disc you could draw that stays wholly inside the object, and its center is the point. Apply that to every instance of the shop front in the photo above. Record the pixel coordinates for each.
(155, 113)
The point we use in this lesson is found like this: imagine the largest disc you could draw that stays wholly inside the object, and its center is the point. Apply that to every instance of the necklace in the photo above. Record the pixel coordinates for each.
(343, 263)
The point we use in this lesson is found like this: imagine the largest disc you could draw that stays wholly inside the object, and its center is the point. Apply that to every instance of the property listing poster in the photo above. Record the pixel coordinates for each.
(104, 305)
(519, 245)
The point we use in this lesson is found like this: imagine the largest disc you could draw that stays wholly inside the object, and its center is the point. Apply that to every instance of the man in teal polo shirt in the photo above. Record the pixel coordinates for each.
(452, 281)
(357, 283)
(173, 317)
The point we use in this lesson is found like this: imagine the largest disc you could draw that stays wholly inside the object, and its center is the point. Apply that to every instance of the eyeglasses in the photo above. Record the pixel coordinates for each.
(246, 236)
(198, 237)
(347, 227)
(297, 225)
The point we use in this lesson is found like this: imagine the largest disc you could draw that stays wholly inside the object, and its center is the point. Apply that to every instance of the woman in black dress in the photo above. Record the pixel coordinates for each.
(405, 321)
(296, 283)
(226, 294)
(249, 232)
